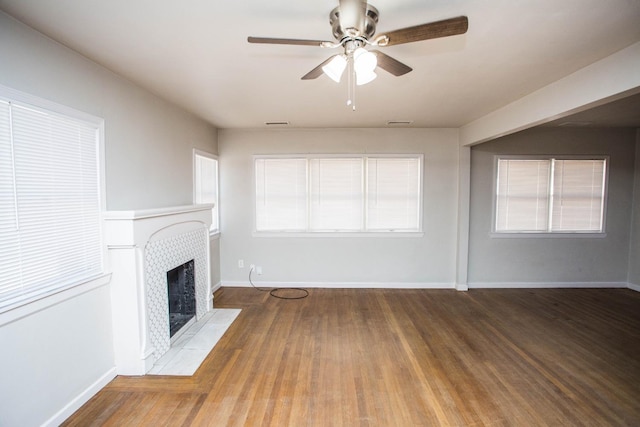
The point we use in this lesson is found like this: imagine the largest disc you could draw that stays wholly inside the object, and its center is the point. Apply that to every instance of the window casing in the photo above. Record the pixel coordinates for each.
(550, 195)
(205, 184)
(338, 194)
(50, 199)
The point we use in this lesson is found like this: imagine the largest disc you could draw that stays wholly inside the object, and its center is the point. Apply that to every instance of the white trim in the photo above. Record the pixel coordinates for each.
(349, 234)
(41, 302)
(546, 234)
(215, 287)
(419, 232)
(341, 285)
(193, 166)
(633, 287)
(550, 233)
(216, 205)
(426, 285)
(546, 285)
(82, 398)
(152, 213)
(34, 102)
(15, 307)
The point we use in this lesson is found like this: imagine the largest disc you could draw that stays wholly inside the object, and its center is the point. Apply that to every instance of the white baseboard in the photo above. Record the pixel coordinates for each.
(216, 287)
(81, 399)
(545, 285)
(463, 287)
(425, 285)
(342, 285)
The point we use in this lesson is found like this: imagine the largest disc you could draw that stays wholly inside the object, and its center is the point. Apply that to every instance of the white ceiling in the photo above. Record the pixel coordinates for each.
(195, 53)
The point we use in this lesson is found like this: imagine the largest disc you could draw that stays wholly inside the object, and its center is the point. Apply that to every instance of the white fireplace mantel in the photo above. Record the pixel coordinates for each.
(135, 241)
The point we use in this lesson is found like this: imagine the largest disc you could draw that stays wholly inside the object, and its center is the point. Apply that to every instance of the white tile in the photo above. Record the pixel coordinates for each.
(186, 362)
(207, 338)
(189, 351)
(167, 357)
(225, 315)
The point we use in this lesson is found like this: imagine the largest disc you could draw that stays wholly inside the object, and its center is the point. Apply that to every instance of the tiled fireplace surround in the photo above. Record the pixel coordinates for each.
(143, 245)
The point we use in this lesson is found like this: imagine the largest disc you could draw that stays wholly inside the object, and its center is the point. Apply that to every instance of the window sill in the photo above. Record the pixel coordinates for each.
(348, 234)
(544, 235)
(26, 307)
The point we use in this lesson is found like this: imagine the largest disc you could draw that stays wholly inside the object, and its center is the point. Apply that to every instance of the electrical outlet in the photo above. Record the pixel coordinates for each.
(240, 263)
(259, 270)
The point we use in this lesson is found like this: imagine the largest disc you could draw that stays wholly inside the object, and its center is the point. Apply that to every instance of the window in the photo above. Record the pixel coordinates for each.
(205, 167)
(550, 195)
(338, 193)
(50, 202)
(281, 194)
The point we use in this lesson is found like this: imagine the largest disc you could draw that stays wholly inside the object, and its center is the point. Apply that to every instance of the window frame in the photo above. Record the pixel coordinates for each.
(337, 233)
(215, 211)
(24, 306)
(494, 233)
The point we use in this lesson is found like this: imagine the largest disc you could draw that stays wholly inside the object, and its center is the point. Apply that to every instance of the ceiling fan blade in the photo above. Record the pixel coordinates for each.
(390, 64)
(432, 30)
(271, 40)
(317, 72)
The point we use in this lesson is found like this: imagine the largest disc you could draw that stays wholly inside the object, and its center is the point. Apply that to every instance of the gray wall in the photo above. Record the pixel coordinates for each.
(215, 262)
(553, 260)
(60, 353)
(634, 248)
(340, 261)
(149, 141)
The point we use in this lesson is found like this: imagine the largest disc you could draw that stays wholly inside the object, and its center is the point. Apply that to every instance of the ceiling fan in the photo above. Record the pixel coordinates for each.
(353, 24)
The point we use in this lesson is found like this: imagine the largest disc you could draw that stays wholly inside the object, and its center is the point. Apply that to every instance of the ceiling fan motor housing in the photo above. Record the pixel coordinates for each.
(353, 24)
(360, 24)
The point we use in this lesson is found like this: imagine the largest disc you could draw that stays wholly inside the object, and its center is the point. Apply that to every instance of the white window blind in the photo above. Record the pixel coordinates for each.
(393, 194)
(281, 194)
(550, 195)
(578, 193)
(523, 195)
(50, 235)
(206, 185)
(339, 194)
(336, 193)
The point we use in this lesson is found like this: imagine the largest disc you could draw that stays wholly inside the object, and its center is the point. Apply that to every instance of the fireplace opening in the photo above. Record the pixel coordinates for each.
(182, 296)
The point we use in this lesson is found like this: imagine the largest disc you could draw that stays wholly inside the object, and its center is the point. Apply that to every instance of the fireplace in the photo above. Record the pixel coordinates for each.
(145, 246)
(181, 290)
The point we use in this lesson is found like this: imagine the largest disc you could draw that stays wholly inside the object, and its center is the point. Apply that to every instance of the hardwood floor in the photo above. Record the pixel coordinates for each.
(554, 357)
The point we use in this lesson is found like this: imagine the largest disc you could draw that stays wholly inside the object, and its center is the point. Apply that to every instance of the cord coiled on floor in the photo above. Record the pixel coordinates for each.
(273, 291)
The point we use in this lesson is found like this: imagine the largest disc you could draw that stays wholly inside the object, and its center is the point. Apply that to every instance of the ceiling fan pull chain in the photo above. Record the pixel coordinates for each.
(351, 83)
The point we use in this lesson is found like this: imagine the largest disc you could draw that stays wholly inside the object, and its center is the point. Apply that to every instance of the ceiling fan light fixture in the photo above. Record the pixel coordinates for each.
(364, 64)
(364, 77)
(335, 68)
(364, 61)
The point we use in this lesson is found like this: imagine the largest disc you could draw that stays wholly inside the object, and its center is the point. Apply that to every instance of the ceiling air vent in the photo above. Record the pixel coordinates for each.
(277, 123)
(399, 122)
(575, 124)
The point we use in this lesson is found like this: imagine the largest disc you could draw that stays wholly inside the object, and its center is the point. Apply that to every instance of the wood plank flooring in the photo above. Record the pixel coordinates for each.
(556, 357)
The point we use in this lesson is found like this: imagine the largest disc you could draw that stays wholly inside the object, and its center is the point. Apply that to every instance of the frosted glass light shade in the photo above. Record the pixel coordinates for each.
(364, 61)
(335, 67)
(364, 77)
